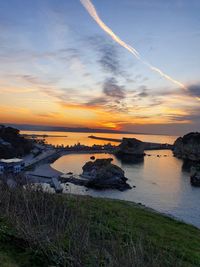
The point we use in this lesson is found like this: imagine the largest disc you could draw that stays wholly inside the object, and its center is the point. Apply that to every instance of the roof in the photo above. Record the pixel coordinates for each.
(14, 160)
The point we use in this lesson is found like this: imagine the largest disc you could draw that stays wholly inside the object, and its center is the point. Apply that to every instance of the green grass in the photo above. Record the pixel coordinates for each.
(102, 232)
(15, 252)
(129, 221)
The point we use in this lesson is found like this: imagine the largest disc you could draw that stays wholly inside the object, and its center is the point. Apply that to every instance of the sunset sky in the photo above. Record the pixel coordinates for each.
(59, 67)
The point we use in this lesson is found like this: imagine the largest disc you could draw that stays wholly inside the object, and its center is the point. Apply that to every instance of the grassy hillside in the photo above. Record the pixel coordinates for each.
(41, 229)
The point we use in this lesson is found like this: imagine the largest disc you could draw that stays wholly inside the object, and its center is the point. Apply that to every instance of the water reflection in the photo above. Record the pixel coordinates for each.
(160, 183)
(129, 159)
(74, 138)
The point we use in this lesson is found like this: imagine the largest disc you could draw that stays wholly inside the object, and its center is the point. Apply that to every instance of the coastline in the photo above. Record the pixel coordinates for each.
(139, 206)
(48, 170)
(91, 132)
(43, 166)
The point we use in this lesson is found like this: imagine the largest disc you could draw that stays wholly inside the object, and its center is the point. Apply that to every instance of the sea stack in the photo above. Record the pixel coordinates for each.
(131, 150)
(188, 147)
(102, 174)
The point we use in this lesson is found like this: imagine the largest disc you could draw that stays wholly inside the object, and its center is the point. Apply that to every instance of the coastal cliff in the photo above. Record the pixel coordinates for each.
(188, 147)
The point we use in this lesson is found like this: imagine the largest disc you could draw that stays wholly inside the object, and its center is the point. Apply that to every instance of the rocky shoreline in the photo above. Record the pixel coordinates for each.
(102, 174)
(187, 148)
(99, 174)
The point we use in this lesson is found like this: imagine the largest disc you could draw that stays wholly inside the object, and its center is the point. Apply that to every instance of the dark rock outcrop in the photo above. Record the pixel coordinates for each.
(12, 144)
(188, 147)
(195, 180)
(195, 176)
(102, 174)
(131, 150)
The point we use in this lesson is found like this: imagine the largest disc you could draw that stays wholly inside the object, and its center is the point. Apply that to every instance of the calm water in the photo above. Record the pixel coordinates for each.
(74, 138)
(160, 182)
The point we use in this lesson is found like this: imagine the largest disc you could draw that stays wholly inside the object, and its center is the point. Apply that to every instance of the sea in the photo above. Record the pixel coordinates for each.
(160, 181)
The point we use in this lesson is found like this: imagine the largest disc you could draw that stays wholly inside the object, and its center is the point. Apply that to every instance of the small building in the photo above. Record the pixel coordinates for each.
(13, 166)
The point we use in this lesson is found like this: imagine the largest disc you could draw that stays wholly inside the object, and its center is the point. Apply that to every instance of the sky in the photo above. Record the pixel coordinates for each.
(59, 67)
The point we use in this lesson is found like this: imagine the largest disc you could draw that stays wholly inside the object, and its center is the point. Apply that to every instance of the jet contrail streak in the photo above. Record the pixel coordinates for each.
(93, 13)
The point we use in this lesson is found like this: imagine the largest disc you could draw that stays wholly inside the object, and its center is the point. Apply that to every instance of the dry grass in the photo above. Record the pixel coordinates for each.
(82, 232)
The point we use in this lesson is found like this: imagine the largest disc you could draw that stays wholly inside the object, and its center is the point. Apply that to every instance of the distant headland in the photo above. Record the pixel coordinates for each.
(29, 127)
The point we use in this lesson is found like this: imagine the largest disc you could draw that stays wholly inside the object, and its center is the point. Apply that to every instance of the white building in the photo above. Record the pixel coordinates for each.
(13, 166)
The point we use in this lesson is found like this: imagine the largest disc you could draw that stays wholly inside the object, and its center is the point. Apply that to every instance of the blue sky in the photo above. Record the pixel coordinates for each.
(58, 67)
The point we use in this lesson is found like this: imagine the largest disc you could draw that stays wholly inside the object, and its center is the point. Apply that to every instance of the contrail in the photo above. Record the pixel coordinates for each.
(93, 13)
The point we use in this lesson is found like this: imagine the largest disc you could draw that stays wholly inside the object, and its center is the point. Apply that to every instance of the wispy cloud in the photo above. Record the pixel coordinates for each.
(109, 57)
(93, 13)
(113, 90)
(194, 90)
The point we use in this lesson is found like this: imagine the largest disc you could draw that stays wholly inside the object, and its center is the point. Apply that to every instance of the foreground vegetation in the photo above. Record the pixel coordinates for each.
(41, 229)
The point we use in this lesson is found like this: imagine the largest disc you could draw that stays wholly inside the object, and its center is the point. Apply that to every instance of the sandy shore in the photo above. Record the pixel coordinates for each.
(42, 172)
(45, 170)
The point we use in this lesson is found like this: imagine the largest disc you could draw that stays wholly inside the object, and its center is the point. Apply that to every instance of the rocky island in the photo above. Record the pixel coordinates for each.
(102, 174)
(131, 150)
(188, 149)
(99, 174)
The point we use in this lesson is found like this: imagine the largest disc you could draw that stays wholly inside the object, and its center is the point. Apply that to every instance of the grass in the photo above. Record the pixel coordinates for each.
(41, 229)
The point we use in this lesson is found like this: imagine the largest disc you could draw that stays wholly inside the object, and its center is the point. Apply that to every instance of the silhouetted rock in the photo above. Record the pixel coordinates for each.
(12, 144)
(195, 180)
(102, 174)
(188, 147)
(131, 150)
(131, 146)
(195, 176)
